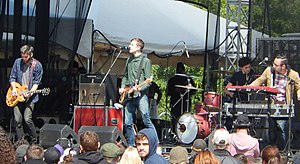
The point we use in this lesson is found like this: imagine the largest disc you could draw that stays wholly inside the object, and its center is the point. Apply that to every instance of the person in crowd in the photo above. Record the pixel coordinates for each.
(52, 155)
(146, 143)
(206, 157)
(271, 155)
(137, 71)
(111, 153)
(89, 145)
(240, 141)
(221, 141)
(286, 81)
(7, 151)
(243, 77)
(26, 71)
(243, 158)
(131, 156)
(178, 106)
(34, 154)
(198, 145)
(21, 146)
(179, 155)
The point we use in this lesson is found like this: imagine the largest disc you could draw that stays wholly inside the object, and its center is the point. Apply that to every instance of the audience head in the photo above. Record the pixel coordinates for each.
(142, 144)
(89, 141)
(34, 152)
(52, 155)
(131, 156)
(206, 157)
(111, 152)
(179, 155)
(242, 122)
(221, 138)
(7, 151)
(199, 145)
(241, 157)
(20, 142)
(270, 155)
(21, 152)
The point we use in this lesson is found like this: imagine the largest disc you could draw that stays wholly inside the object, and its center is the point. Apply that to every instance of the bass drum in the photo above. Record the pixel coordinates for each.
(191, 126)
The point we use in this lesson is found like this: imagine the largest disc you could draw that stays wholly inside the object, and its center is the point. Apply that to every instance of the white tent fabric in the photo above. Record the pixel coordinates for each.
(160, 23)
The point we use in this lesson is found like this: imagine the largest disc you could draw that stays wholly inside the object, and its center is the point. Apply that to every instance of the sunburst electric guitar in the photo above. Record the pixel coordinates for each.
(12, 101)
(127, 95)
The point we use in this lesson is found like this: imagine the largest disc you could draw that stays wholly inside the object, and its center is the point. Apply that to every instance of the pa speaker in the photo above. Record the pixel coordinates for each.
(106, 134)
(51, 134)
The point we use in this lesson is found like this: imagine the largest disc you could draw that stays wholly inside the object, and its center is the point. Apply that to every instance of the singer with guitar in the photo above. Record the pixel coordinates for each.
(137, 71)
(26, 71)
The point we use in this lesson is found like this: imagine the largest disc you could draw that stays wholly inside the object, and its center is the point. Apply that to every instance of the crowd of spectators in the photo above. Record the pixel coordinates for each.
(228, 149)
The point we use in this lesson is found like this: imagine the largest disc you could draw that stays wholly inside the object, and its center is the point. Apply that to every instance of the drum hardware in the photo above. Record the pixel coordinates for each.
(187, 92)
(222, 71)
(189, 86)
(186, 75)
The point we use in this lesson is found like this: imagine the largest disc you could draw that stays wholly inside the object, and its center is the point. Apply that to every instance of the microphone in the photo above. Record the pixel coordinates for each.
(124, 48)
(264, 61)
(186, 51)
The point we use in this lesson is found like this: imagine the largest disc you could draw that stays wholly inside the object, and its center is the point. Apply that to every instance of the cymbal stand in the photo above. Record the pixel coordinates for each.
(181, 99)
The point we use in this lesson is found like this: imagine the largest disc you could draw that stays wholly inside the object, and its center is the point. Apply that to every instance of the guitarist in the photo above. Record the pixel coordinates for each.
(26, 71)
(132, 77)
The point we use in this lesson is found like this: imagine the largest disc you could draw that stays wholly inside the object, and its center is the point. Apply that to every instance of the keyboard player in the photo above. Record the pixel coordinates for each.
(286, 80)
(244, 77)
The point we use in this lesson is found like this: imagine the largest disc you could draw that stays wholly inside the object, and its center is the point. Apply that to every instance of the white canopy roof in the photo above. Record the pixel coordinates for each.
(160, 23)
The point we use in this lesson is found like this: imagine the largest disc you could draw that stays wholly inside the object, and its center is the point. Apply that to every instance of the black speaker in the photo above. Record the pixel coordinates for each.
(106, 134)
(51, 134)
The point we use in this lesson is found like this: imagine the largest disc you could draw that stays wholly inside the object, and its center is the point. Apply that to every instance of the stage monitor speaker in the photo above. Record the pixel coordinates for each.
(51, 134)
(106, 134)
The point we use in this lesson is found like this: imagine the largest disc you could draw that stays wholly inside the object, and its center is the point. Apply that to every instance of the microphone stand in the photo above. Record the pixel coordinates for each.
(290, 108)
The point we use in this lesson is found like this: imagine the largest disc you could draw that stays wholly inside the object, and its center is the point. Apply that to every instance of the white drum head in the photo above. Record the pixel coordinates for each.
(187, 128)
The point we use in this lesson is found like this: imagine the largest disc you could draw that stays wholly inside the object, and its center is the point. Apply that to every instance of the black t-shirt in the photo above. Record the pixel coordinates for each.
(238, 78)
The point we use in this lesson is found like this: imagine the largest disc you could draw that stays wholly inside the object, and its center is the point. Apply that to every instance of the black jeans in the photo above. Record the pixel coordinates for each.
(24, 109)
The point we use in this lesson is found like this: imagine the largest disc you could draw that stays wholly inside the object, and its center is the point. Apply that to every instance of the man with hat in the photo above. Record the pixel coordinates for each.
(111, 153)
(198, 145)
(240, 141)
(179, 155)
(221, 141)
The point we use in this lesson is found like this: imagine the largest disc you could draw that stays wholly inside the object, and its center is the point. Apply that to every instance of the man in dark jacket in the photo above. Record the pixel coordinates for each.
(89, 144)
(146, 143)
(34, 154)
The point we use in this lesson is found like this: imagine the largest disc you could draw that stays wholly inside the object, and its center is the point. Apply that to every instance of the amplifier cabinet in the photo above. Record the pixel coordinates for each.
(97, 116)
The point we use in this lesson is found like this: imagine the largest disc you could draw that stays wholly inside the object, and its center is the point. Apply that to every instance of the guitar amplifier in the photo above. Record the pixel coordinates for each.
(97, 116)
(90, 92)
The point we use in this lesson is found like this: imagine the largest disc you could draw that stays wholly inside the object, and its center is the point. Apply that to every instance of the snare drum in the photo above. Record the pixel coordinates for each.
(192, 126)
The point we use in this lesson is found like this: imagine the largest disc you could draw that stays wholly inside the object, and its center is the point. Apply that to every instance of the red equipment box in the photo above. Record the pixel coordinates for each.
(97, 116)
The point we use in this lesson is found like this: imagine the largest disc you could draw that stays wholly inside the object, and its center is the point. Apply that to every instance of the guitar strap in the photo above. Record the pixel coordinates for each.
(32, 67)
(137, 79)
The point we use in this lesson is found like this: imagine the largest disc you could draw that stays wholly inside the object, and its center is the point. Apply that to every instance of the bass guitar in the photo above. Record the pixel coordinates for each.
(12, 100)
(127, 95)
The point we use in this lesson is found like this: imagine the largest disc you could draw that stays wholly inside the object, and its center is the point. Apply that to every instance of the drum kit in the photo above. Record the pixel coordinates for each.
(200, 124)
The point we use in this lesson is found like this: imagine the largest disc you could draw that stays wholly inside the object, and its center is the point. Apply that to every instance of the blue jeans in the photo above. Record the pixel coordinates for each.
(25, 109)
(142, 104)
(278, 131)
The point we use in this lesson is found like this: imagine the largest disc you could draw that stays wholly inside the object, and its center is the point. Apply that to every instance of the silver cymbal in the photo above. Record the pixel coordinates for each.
(187, 87)
(186, 75)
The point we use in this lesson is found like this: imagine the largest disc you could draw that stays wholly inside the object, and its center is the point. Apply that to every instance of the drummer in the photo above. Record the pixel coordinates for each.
(244, 77)
(178, 105)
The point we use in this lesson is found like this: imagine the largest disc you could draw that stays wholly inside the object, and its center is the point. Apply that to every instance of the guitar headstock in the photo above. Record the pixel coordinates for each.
(45, 91)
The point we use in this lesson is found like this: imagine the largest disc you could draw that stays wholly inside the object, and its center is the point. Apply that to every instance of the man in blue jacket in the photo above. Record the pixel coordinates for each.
(146, 143)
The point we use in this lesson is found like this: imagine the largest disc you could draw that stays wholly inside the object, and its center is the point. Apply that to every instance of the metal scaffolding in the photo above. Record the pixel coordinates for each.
(238, 22)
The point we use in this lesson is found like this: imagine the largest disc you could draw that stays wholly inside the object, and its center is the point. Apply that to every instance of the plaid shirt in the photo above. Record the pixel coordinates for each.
(280, 83)
(36, 73)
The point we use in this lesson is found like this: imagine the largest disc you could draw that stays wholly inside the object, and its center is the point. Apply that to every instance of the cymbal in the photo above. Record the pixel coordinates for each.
(187, 87)
(186, 75)
(211, 108)
(222, 71)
